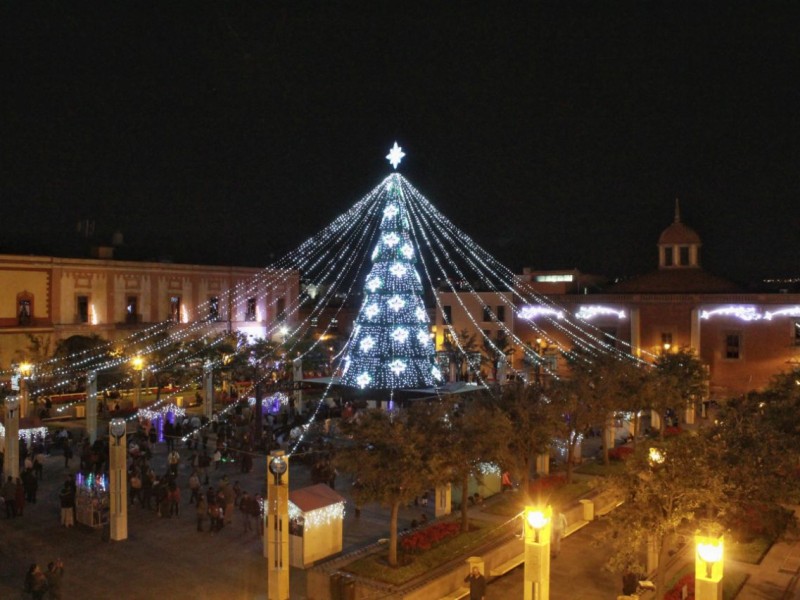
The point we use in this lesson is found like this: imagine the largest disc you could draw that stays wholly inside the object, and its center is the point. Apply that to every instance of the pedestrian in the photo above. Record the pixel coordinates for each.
(477, 584)
(194, 487)
(66, 498)
(67, 452)
(35, 582)
(201, 510)
(557, 532)
(54, 575)
(174, 497)
(136, 487)
(31, 485)
(19, 497)
(174, 459)
(246, 507)
(38, 463)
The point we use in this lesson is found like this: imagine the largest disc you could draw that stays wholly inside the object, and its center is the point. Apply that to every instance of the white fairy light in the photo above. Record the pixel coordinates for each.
(398, 270)
(372, 311)
(390, 211)
(437, 374)
(590, 312)
(320, 517)
(407, 251)
(373, 284)
(531, 312)
(423, 337)
(421, 314)
(391, 239)
(367, 344)
(396, 303)
(363, 380)
(400, 335)
(395, 155)
(397, 366)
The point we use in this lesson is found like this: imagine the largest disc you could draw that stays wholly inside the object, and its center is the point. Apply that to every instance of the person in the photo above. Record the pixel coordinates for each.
(201, 509)
(66, 498)
(194, 487)
(54, 575)
(35, 582)
(19, 496)
(506, 483)
(559, 527)
(477, 584)
(247, 510)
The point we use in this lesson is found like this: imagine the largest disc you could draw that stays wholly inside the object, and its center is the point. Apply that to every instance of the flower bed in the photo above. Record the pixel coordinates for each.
(549, 483)
(676, 593)
(425, 539)
(620, 453)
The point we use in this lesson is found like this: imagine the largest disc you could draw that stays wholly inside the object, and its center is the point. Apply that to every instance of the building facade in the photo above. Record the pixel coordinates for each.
(47, 299)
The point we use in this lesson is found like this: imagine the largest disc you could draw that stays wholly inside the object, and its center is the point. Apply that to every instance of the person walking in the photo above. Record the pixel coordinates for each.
(559, 527)
(66, 498)
(35, 582)
(19, 496)
(477, 584)
(10, 497)
(201, 509)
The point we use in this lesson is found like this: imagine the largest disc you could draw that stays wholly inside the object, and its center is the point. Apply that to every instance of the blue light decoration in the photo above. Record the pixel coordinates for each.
(391, 347)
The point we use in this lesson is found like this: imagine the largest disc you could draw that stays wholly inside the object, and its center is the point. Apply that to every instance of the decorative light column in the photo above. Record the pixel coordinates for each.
(118, 481)
(537, 525)
(25, 369)
(137, 362)
(276, 539)
(708, 568)
(91, 405)
(11, 459)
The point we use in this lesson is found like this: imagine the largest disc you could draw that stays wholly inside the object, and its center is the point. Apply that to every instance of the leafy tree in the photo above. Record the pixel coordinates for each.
(678, 488)
(533, 422)
(679, 379)
(388, 456)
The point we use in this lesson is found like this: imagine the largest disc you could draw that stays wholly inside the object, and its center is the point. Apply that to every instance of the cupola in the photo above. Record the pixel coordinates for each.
(679, 245)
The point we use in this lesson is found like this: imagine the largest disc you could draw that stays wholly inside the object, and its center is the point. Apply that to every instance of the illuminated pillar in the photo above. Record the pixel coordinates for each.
(443, 500)
(537, 525)
(208, 391)
(11, 459)
(655, 420)
(117, 480)
(708, 567)
(543, 464)
(24, 372)
(91, 405)
(276, 538)
(694, 339)
(636, 332)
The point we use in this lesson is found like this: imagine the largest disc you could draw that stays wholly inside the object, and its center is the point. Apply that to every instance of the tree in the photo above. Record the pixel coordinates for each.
(676, 486)
(533, 423)
(679, 379)
(388, 457)
(391, 346)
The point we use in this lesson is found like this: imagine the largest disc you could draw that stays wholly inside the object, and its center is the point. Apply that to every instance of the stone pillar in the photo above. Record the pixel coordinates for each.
(588, 509)
(118, 480)
(208, 391)
(689, 414)
(577, 456)
(91, 405)
(537, 554)
(608, 433)
(276, 537)
(652, 553)
(543, 464)
(23, 397)
(694, 339)
(443, 501)
(11, 458)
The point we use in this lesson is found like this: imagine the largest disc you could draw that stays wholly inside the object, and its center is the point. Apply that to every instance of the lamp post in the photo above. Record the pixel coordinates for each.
(137, 362)
(276, 537)
(537, 524)
(118, 482)
(11, 458)
(708, 567)
(25, 369)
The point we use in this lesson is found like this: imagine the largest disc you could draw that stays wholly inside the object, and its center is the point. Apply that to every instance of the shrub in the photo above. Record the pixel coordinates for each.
(551, 482)
(620, 453)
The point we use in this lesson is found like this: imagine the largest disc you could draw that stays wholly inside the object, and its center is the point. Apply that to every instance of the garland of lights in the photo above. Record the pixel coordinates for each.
(319, 517)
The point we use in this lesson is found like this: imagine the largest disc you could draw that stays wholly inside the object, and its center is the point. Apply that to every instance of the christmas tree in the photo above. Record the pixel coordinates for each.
(391, 346)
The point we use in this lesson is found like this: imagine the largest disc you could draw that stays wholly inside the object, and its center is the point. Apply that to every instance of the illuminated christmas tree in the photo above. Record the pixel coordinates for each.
(391, 346)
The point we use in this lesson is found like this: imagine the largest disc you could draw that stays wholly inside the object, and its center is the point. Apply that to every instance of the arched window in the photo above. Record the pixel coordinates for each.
(24, 309)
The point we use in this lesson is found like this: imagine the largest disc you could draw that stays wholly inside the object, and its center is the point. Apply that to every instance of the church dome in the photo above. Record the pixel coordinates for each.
(678, 234)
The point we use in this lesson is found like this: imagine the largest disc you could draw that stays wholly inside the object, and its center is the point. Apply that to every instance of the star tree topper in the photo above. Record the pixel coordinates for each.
(395, 155)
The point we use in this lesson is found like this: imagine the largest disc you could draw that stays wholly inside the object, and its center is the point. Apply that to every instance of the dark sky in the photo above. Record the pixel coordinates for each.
(222, 132)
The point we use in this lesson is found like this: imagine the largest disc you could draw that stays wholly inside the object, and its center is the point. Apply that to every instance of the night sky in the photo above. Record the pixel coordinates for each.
(558, 136)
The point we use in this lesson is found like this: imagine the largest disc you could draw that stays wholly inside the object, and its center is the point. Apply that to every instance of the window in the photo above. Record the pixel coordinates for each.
(501, 314)
(175, 309)
(24, 309)
(447, 314)
(132, 309)
(683, 256)
(668, 256)
(250, 310)
(280, 309)
(733, 346)
(796, 331)
(82, 309)
(213, 308)
(487, 314)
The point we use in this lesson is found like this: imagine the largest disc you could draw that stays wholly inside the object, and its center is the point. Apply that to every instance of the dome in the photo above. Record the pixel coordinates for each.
(679, 234)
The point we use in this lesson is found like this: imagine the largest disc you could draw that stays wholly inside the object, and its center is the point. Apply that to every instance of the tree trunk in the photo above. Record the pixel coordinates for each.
(464, 503)
(525, 476)
(661, 571)
(570, 455)
(259, 433)
(393, 534)
(636, 424)
(607, 434)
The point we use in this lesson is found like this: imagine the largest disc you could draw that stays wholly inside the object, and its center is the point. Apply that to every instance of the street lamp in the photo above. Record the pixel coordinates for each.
(137, 362)
(24, 369)
(537, 523)
(708, 567)
(11, 458)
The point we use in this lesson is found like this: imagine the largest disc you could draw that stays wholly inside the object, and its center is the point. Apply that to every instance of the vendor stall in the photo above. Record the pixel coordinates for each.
(91, 500)
(315, 524)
